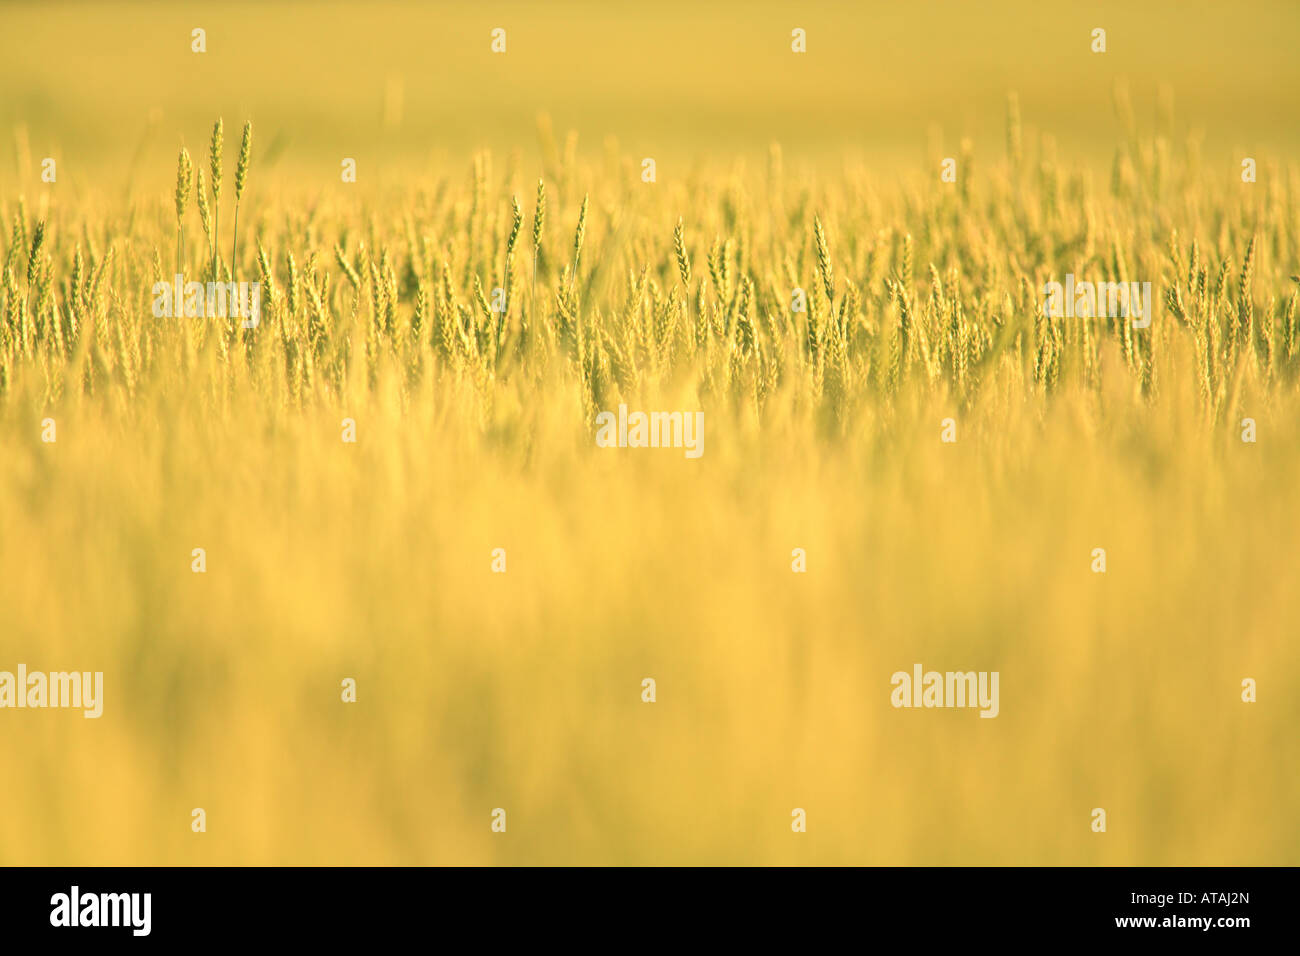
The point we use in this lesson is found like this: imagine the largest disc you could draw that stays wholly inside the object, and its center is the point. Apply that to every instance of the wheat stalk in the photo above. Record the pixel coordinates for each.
(214, 158)
(241, 177)
(184, 178)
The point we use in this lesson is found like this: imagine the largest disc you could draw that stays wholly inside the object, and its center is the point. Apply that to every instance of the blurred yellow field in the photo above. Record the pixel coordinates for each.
(387, 569)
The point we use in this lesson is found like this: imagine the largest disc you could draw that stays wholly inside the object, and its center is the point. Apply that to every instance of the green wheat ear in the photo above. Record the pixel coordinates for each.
(184, 177)
(201, 194)
(214, 161)
(33, 258)
(683, 260)
(241, 177)
(214, 157)
(245, 153)
(518, 220)
(539, 220)
(577, 240)
(824, 259)
(539, 215)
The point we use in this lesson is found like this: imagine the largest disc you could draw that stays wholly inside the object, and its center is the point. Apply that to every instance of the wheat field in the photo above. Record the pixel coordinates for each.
(467, 311)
